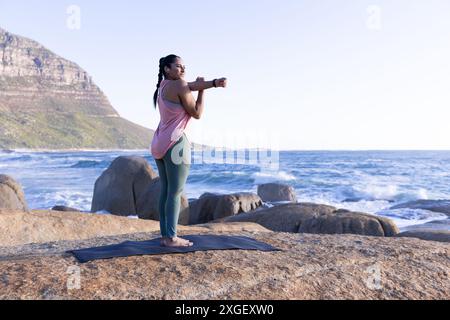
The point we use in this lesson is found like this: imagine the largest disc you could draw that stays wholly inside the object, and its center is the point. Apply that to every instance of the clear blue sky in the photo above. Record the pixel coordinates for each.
(316, 74)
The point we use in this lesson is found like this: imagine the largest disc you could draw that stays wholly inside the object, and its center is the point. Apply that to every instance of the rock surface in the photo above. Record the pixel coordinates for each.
(11, 194)
(316, 218)
(37, 226)
(212, 206)
(48, 102)
(40, 226)
(272, 192)
(309, 267)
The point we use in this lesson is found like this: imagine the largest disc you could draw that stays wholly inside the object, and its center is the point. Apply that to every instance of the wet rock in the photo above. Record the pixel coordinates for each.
(215, 206)
(273, 192)
(317, 218)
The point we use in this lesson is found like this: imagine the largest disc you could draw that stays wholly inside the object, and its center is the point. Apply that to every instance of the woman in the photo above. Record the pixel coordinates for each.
(170, 146)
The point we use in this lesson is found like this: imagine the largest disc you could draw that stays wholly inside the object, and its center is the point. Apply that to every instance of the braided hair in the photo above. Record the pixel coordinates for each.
(163, 62)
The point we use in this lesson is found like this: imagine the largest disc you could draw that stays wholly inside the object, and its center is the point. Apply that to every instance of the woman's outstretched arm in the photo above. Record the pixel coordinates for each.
(201, 84)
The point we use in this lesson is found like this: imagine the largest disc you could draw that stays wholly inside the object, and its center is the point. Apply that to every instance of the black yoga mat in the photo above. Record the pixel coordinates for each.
(201, 243)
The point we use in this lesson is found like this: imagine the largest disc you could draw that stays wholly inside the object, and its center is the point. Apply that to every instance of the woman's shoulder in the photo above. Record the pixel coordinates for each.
(175, 82)
(176, 85)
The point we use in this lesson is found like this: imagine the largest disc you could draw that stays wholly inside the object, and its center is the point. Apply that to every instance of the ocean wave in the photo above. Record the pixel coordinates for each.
(272, 176)
(388, 192)
(19, 158)
(90, 164)
(408, 217)
(221, 178)
(365, 206)
(49, 198)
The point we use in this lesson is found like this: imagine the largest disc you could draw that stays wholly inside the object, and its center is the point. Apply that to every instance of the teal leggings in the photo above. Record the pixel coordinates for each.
(173, 172)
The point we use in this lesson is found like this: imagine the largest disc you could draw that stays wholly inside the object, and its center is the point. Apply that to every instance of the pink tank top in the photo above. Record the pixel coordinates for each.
(174, 120)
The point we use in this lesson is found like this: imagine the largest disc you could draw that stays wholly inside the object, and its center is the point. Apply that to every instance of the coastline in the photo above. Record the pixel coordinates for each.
(364, 183)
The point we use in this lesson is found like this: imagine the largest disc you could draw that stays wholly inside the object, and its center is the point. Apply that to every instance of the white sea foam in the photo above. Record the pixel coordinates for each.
(272, 176)
(408, 217)
(401, 217)
(365, 206)
(237, 173)
(50, 198)
(107, 213)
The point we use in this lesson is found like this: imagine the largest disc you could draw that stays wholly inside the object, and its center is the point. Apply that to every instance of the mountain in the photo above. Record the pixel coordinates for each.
(48, 102)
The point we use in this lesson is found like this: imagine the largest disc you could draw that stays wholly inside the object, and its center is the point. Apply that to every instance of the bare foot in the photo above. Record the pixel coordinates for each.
(176, 242)
(163, 241)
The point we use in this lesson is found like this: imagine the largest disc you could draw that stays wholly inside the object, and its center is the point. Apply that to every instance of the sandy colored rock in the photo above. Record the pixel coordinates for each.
(316, 218)
(11, 194)
(39, 226)
(309, 267)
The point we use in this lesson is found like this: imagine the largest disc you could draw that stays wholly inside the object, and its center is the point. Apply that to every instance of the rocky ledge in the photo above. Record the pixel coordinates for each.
(310, 266)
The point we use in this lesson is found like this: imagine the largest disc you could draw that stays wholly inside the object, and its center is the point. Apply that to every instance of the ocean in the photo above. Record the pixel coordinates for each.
(363, 181)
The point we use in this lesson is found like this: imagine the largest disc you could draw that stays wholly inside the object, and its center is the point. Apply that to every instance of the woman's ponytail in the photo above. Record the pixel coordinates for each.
(163, 62)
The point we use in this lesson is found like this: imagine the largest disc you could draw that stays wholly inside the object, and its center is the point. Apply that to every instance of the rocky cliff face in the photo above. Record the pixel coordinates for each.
(49, 102)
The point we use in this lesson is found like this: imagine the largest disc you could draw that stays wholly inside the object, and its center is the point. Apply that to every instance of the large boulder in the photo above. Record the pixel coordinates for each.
(273, 192)
(426, 234)
(11, 194)
(118, 188)
(212, 206)
(130, 187)
(317, 218)
(442, 206)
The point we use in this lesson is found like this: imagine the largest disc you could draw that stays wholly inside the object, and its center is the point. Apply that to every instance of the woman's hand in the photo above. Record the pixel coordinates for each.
(200, 79)
(200, 84)
(221, 83)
